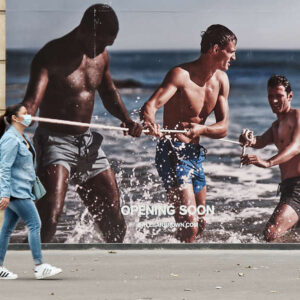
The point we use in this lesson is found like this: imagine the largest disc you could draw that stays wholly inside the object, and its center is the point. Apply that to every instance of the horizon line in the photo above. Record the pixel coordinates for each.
(163, 49)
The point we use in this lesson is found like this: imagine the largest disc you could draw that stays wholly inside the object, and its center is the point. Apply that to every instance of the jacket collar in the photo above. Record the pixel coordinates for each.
(12, 129)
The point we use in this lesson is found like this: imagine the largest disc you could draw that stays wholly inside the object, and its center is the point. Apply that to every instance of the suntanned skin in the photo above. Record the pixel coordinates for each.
(285, 134)
(65, 75)
(189, 94)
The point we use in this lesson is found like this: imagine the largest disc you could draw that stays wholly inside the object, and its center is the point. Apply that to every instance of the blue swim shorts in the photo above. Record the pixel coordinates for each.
(180, 163)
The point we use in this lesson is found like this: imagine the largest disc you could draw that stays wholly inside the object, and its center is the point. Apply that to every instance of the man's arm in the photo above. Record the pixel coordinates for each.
(113, 103)
(221, 111)
(263, 140)
(160, 97)
(37, 85)
(290, 151)
(35, 90)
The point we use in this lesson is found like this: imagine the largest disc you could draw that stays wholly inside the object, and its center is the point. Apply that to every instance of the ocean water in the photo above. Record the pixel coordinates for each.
(243, 198)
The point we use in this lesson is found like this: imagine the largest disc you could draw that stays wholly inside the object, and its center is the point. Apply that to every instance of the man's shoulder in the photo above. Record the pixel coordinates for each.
(295, 113)
(221, 76)
(50, 51)
(178, 74)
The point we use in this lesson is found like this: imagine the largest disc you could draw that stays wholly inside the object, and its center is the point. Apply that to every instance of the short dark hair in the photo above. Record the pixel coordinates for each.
(276, 80)
(216, 35)
(100, 17)
(12, 110)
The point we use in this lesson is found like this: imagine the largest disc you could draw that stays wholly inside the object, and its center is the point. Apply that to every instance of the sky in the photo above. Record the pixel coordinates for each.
(160, 24)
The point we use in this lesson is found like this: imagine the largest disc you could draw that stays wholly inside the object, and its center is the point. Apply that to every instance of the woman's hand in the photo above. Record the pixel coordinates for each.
(4, 203)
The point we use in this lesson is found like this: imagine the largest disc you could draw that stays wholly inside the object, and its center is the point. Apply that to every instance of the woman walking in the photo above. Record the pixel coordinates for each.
(17, 175)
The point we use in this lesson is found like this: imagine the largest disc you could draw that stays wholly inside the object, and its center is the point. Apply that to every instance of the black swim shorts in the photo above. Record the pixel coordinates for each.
(290, 193)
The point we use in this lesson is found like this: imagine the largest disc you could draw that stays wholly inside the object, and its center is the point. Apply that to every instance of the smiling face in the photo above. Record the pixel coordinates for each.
(225, 56)
(279, 99)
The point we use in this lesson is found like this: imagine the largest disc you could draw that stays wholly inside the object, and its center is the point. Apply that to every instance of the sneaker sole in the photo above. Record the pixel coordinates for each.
(5, 278)
(47, 276)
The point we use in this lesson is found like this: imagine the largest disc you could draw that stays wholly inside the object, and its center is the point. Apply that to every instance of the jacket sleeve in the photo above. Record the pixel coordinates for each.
(9, 147)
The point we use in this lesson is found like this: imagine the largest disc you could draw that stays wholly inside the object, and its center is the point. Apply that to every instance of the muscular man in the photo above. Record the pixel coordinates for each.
(65, 74)
(285, 134)
(190, 93)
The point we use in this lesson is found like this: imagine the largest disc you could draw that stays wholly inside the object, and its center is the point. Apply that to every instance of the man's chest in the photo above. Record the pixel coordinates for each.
(200, 100)
(283, 133)
(86, 75)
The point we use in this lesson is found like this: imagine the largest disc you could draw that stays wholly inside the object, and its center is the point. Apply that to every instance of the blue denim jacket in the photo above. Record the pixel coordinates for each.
(17, 169)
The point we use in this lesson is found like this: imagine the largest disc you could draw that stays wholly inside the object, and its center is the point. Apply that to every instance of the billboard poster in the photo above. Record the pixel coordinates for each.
(112, 64)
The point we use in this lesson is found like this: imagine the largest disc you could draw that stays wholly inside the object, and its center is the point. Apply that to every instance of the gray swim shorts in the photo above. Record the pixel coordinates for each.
(81, 154)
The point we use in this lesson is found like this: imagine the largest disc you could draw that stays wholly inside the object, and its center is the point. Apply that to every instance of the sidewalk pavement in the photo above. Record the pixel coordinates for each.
(157, 274)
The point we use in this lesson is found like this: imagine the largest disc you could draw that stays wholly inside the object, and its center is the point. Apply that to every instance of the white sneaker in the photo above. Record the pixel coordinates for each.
(6, 274)
(45, 271)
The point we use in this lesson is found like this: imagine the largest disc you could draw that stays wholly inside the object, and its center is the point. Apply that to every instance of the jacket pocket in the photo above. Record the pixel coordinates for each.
(23, 150)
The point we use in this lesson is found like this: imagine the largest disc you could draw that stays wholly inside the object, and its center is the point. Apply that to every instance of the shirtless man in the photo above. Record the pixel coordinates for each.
(65, 74)
(190, 93)
(285, 134)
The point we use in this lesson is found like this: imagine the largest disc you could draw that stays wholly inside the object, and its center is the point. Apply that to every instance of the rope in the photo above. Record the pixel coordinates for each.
(101, 126)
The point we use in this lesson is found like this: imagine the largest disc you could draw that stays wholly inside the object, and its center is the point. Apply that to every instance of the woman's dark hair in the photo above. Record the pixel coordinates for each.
(12, 110)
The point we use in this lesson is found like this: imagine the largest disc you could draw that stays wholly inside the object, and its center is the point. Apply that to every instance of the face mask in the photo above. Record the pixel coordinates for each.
(27, 120)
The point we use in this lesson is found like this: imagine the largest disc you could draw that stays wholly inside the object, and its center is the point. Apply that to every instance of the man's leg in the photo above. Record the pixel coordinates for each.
(100, 195)
(184, 195)
(55, 179)
(201, 200)
(283, 218)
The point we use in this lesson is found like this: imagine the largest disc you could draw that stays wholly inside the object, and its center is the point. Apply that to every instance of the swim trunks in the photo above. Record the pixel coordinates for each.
(81, 154)
(290, 193)
(180, 163)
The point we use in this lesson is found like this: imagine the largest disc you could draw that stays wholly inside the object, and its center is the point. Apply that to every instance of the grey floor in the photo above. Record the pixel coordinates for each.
(157, 274)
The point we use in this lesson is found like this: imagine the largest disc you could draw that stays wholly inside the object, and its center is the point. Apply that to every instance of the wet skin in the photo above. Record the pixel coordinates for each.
(189, 94)
(65, 75)
(285, 135)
